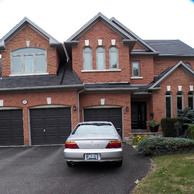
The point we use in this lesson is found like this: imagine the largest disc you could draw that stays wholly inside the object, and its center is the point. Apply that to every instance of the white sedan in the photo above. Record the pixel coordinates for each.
(93, 142)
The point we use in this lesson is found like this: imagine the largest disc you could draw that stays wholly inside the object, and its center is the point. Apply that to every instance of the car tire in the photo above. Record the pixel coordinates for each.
(70, 164)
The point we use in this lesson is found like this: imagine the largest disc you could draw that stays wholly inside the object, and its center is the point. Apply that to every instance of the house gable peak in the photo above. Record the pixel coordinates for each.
(170, 71)
(108, 22)
(26, 21)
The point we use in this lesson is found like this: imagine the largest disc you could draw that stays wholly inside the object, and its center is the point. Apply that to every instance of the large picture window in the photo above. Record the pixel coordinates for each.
(100, 58)
(113, 57)
(135, 69)
(28, 61)
(87, 58)
(168, 104)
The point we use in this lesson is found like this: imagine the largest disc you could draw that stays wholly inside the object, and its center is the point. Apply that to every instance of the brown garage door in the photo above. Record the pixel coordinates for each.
(11, 127)
(50, 125)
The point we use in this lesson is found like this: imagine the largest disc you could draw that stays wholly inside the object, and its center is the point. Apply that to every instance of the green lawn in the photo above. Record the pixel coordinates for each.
(170, 174)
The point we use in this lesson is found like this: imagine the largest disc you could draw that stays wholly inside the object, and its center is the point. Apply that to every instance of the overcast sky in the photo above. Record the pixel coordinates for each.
(149, 19)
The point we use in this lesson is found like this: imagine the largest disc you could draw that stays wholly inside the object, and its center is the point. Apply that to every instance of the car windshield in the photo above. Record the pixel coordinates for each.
(94, 129)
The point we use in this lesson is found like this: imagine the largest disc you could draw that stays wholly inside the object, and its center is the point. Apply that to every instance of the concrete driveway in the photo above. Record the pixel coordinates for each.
(43, 170)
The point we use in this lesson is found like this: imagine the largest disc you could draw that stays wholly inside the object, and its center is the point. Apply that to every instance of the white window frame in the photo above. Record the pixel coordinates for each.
(24, 52)
(191, 95)
(100, 50)
(168, 95)
(87, 50)
(139, 72)
(112, 51)
(180, 95)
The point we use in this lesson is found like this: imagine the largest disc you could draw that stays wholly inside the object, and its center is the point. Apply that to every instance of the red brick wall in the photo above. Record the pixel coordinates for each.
(162, 64)
(36, 40)
(68, 98)
(111, 99)
(101, 31)
(146, 69)
(178, 77)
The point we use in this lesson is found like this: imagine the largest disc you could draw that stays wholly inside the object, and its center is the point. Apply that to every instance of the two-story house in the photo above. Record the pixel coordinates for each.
(102, 72)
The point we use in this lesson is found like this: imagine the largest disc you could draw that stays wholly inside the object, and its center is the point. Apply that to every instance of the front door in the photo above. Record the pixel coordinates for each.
(138, 115)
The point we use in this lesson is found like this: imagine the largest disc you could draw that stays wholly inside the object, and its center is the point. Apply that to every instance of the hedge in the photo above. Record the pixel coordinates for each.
(191, 132)
(164, 145)
(168, 127)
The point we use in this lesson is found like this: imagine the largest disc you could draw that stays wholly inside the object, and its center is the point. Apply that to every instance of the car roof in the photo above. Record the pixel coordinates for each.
(95, 122)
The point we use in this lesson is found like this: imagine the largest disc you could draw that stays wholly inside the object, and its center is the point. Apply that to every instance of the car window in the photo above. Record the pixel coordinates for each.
(94, 129)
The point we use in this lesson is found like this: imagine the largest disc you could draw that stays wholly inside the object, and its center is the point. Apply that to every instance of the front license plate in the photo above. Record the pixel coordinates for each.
(91, 156)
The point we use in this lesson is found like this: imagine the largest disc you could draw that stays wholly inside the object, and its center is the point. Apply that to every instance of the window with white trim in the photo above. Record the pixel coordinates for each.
(113, 57)
(100, 58)
(87, 58)
(135, 69)
(191, 100)
(28, 61)
(179, 101)
(168, 104)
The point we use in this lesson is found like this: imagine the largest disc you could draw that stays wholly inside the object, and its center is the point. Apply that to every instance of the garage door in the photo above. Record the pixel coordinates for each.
(50, 125)
(113, 115)
(11, 127)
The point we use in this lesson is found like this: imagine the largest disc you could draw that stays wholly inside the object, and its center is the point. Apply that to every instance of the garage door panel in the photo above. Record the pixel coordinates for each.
(11, 127)
(113, 115)
(52, 126)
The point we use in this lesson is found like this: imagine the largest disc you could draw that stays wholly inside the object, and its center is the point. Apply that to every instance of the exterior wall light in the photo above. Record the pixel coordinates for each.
(127, 109)
(74, 108)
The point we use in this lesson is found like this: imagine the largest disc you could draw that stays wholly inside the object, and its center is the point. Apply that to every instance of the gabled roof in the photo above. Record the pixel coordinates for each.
(25, 21)
(168, 72)
(171, 47)
(91, 22)
(128, 31)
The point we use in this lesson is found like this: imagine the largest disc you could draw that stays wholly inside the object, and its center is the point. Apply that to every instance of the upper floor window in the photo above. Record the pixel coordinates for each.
(113, 57)
(168, 104)
(135, 69)
(28, 61)
(191, 100)
(87, 58)
(100, 58)
(179, 100)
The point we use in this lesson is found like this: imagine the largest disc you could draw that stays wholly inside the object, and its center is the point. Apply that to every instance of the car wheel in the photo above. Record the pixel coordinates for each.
(70, 164)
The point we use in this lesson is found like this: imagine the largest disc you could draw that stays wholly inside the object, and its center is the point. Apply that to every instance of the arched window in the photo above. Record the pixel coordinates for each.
(179, 101)
(113, 57)
(168, 104)
(28, 61)
(191, 100)
(87, 58)
(100, 58)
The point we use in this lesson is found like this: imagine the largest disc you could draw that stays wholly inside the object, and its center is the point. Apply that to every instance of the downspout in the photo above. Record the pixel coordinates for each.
(78, 104)
(68, 59)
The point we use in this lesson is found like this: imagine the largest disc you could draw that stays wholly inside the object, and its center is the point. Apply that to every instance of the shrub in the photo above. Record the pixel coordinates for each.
(159, 145)
(188, 116)
(137, 138)
(168, 127)
(191, 132)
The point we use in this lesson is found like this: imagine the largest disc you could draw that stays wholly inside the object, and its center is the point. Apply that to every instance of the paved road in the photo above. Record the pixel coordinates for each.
(42, 170)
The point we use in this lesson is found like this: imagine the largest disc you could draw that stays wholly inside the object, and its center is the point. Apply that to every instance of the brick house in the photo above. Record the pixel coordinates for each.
(102, 72)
